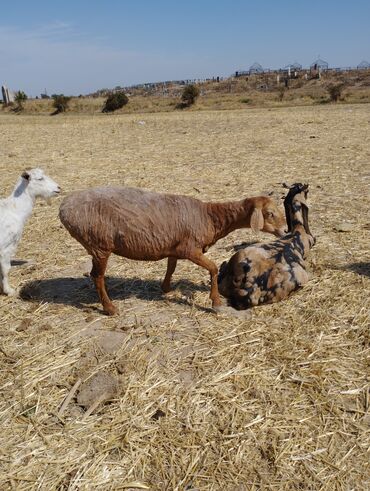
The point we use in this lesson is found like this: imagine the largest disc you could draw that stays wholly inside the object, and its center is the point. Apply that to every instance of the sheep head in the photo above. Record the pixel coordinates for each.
(267, 216)
(39, 185)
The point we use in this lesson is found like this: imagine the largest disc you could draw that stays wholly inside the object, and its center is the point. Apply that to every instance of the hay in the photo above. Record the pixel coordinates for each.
(275, 401)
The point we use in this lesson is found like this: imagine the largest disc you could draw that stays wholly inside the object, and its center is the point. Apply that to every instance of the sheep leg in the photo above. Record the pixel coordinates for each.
(4, 270)
(171, 266)
(201, 260)
(97, 274)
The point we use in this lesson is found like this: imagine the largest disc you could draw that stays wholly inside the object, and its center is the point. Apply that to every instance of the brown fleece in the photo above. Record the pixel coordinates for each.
(149, 226)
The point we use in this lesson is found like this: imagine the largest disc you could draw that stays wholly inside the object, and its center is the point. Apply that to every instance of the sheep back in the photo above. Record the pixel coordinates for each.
(136, 223)
(266, 273)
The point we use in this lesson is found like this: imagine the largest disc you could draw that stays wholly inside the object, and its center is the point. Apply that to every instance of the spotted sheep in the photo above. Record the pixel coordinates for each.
(15, 211)
(269, 272)
(148, 226)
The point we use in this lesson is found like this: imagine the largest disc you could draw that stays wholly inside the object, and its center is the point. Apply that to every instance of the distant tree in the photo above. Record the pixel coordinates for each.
(190, 94)
(20, 97)
(114, 101)
(60, 103)
(335, 91)
(281, 93)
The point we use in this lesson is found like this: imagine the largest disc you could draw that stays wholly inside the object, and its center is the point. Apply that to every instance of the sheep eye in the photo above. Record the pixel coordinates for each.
(270, 214)
(40, 179)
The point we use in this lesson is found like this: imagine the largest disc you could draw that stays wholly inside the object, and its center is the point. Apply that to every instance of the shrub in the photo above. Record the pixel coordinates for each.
(114, 101)
(246, 100)
(335, 92)
(323, 100)
(20, 97)
(60, 102)
(190, 94)
(281, 93)
(181, 105)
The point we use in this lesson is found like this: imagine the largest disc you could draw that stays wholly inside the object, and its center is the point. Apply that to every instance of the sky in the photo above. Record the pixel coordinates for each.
(79, 46)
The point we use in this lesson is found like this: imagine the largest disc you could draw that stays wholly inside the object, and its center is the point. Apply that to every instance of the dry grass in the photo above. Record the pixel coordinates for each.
(278, 401)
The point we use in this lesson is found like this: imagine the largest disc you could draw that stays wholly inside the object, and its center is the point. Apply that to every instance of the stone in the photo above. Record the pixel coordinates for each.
(102, 386)
(344, 227)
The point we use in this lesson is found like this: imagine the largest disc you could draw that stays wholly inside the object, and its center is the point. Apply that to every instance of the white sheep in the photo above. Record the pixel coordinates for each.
(14, 212)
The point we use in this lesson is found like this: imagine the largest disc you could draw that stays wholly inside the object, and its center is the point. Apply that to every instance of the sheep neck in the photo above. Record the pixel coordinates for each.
(297, 219)
(227, 217)
(23, 200)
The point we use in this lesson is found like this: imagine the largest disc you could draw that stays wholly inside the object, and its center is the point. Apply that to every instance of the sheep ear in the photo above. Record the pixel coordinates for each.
(26, 175)
(305, 218)
(257, 220)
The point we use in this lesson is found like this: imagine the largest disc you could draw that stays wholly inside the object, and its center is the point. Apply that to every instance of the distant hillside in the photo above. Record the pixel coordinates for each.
(272, 89)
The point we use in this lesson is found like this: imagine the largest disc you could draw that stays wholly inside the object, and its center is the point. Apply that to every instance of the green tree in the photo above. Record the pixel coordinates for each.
(20, 97)
(190, 94)
(60, 103)
(114, 101)
(335, 91)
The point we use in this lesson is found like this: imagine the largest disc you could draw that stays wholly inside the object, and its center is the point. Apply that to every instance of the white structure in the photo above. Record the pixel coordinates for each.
(8, 95)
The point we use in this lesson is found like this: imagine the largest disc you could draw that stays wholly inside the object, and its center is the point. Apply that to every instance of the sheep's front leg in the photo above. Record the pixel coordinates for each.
(171, 266)
(97, 274)
(198, 257)
(4, 270)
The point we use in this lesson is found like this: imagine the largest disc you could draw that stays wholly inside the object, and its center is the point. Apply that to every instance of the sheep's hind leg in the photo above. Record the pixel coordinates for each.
(198, 258)
(171, 266)
(97, 274)
(4, 270)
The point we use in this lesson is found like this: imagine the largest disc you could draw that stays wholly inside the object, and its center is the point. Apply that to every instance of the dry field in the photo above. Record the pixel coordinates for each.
(275, 401)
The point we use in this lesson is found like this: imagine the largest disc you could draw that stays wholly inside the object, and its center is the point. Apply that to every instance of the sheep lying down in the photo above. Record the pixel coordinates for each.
(267, 273)
(262, 274)
(148, 226)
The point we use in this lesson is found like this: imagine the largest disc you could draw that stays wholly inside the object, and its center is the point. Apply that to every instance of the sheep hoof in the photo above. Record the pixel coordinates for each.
(110, 310)
(218, 309)
(9, 291)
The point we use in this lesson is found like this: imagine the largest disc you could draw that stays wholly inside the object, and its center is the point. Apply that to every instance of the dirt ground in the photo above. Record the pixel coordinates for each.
(167, 395)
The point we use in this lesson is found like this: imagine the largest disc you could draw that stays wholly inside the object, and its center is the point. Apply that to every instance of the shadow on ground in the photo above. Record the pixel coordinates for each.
(361, 268)
(18, 262)
(242, 245)
(80, 292)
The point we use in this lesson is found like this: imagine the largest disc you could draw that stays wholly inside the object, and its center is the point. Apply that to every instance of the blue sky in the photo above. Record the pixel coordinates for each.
(78, 46)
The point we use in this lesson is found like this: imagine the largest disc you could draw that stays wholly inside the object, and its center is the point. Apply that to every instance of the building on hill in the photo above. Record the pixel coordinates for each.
(292, 70)
(294, 67)
(319, 65)
(256, 68)
(364, 65)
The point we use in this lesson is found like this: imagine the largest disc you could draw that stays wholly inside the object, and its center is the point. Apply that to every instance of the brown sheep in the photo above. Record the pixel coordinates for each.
(148, 226)
(267, 273)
